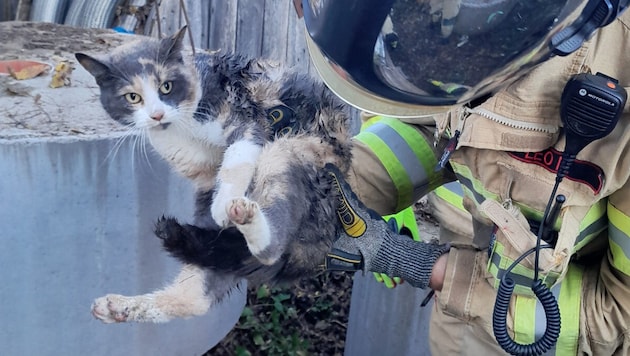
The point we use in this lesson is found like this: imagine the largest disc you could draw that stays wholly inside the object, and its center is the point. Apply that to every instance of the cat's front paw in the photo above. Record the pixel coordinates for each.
(241, 211)
(111, 308)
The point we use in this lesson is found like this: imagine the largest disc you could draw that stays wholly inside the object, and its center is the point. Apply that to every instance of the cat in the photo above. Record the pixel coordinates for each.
(254, 138)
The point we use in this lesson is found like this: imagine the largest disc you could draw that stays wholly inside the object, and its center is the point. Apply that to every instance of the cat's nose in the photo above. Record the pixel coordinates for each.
(157, 115)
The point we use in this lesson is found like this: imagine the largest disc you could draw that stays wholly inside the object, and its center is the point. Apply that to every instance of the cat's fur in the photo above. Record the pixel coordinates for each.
(265, 210)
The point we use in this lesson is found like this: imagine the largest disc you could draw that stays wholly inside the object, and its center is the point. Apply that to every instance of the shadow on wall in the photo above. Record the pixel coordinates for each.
(76, 225)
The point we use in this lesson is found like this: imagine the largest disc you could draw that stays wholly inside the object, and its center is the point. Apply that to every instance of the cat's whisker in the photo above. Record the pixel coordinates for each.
(119, 142)
(145, 153)
(136, 140)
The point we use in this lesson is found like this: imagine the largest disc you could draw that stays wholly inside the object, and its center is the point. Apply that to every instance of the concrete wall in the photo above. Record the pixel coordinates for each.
(76, 224)
(386, 321)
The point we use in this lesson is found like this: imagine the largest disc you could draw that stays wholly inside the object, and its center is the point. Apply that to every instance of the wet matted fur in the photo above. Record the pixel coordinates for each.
(253, 137)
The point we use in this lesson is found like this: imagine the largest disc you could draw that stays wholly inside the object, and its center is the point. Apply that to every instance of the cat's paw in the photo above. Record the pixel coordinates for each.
(242, 210)
(111, 308)
(170, 232)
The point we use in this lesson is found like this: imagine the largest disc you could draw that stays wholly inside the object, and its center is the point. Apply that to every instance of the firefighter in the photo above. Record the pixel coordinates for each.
(534, 251)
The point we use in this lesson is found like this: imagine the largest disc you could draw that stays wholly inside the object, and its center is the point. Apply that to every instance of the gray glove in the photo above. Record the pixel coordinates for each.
(367, 243)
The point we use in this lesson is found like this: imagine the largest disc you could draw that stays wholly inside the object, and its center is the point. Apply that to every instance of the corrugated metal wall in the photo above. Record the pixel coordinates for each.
(268, 28)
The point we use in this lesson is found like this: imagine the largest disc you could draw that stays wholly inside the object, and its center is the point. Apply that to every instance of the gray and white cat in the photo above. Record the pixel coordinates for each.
(254, 138)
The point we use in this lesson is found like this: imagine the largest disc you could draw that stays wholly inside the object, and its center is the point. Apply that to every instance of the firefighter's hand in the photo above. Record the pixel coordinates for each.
(393, 282)
(367, 243)
(362, 229)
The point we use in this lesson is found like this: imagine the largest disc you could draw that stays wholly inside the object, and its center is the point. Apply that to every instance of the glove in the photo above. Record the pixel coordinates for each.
(365, 241)
(392, 222)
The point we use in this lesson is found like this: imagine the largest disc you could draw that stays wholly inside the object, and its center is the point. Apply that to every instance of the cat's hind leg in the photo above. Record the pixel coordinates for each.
(187, 296)
(251, 221)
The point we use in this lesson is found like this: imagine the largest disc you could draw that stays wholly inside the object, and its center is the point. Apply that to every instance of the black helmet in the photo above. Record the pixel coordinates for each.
(410, 58)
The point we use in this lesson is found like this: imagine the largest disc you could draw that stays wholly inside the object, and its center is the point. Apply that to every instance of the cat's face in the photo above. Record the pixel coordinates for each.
(146, 84)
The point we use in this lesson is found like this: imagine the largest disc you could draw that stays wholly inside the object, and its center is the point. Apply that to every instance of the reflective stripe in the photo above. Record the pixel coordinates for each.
(618, 233)
(407, 157)
(452, 193)
(403, 150)
(388, 158)
(478, 193)
(540, 324)
(521, 275)
(474, 187)
(593, 224)
(525, 319)
(569, 301)
(530, 321)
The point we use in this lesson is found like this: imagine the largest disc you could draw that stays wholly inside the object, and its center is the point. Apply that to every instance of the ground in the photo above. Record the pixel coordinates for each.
(309, 318)
(31, 109)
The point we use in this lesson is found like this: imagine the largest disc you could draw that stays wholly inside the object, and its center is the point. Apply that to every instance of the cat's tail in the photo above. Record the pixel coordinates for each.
(222, 250)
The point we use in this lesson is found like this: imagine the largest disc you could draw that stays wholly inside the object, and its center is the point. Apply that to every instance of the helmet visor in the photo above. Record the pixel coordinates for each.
(437, 52)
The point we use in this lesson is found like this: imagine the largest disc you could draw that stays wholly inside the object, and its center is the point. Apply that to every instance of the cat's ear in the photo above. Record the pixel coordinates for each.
(97, 68)
(171, 47)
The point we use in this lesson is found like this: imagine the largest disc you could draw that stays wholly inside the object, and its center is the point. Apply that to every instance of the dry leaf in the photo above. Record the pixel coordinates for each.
(22, 69)
(61, 77)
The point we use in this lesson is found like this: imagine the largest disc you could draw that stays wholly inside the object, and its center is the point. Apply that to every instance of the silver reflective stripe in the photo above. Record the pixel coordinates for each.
(455, 187)
(408, 160)
(541, 319)
(620, 238)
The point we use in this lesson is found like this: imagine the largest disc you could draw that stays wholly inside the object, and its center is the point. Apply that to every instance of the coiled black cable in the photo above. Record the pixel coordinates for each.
(499, 319)
(581, 127)
(544, 295)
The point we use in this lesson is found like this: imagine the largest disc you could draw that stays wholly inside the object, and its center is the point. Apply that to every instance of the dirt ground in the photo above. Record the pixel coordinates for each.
(31, 108)
(321, 306)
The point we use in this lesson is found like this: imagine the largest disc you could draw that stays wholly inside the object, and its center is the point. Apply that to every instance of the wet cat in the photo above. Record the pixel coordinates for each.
(253, 137)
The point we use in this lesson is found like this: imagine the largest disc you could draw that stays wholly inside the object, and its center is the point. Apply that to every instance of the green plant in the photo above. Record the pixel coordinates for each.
(265, 321)
(308, 318)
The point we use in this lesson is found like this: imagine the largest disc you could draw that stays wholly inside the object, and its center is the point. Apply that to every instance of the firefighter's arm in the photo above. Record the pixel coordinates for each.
(605, 319)
(393, 164)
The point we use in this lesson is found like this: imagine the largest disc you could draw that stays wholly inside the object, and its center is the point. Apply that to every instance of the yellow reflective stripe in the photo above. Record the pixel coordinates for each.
(592, 225)
(521, 275)
(475, 187)
(478, 193)
(530, 320)
(452, 193)
(421, 148)
(371, 121)
(396, 171)
(619, 238)
(569, 301)
(524, 319)
(405, 154)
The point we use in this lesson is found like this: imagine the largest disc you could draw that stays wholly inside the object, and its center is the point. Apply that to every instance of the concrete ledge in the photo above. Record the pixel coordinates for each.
(76, 215)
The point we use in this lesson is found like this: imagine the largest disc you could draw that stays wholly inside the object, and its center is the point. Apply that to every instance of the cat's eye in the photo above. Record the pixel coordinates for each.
(166, 87)
(133, 98)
